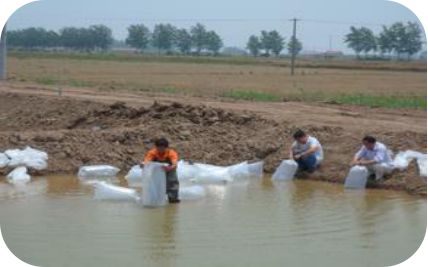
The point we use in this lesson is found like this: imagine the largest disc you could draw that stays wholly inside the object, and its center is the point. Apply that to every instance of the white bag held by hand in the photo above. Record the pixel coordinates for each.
(154, 185)
(97, 171)
(357, 177)
(19, 176)
(286, 170)
(135, 175)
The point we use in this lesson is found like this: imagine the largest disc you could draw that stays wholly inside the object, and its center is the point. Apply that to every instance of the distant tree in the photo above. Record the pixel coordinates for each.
(361, 40)
(385, 41)
(76, 38)
(266, 42)
(138, 36)
(163, 36)
(254, 45)
(213, 42)
(183, 40)
(401, 39)
(101, 36)
(412, 39)
(272, 41)
(199, 37)
(294, 46)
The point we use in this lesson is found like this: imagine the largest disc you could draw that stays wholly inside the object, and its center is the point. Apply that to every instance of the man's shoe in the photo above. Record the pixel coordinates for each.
(174, 201)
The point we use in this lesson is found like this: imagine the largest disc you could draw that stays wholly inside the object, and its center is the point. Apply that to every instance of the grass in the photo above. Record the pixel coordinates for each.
(252, 96)
(382, 101)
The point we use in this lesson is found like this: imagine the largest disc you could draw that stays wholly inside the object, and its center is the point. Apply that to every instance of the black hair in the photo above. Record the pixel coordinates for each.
(369, 139)
(298, 134)
(163, 142)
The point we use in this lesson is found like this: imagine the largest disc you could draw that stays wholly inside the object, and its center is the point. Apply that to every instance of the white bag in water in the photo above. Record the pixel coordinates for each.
(210, 174)
(357, 177)
(186, 171)
(19, 176)
(97, 171)
(191, 192)
(135, 175)
(104, 191)
(154, 185)
(401, 161)
(285, 171)
(4, 160)
(256, 169)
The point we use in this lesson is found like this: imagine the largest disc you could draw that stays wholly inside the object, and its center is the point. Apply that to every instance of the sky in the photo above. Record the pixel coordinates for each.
(322, 25)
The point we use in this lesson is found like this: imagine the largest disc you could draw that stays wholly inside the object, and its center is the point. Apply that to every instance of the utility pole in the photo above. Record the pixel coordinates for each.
(293, 43)
(3, 55)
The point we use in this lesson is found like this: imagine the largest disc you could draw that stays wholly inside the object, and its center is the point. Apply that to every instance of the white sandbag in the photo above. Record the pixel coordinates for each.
(357, 177)
(104, 191)
(19, 176)
(401, 161)
(11, 153)
(154, 185)
(4, 160)
(186, 171)
(210, 174)
(97, 171)
(29, 157)
(191, 192)
(285, 171)
(240, 170)
(135, 175)
(422, 164)
(256, 169)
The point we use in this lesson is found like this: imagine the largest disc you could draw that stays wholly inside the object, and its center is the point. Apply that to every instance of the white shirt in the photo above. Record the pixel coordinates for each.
(379, 153)
(312, 141)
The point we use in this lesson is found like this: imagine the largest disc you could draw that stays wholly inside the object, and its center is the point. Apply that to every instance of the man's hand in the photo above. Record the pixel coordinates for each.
(168, 168)
(297, 156)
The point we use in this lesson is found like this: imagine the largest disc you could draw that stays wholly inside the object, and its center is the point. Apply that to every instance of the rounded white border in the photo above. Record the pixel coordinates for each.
(418, 7)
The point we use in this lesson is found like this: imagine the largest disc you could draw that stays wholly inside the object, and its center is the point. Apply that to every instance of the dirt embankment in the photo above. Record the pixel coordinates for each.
(78, 132)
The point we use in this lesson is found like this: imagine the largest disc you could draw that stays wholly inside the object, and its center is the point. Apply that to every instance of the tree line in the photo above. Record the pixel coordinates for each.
(95, 37)
(164, 37)
(395, 40)
(168, 38)
(271, 42)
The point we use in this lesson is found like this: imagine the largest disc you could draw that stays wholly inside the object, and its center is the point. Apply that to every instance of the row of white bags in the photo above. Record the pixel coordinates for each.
(205, 173)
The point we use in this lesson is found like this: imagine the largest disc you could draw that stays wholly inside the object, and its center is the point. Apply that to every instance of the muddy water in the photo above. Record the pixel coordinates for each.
(55, 222)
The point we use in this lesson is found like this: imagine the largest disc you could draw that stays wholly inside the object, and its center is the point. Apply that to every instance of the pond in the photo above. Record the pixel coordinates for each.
(55, 221)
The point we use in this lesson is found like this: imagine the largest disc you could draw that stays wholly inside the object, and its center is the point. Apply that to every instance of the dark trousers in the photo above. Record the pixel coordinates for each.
(308, 163)
(172, 185)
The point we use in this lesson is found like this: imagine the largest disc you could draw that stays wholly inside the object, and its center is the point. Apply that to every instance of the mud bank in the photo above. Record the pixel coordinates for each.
(76, 132)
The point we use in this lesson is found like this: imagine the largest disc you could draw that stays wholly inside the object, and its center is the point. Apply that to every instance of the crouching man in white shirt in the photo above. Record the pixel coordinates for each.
(375, 157)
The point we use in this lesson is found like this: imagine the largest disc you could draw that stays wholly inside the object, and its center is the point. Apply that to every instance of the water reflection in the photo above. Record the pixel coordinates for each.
(286, 223)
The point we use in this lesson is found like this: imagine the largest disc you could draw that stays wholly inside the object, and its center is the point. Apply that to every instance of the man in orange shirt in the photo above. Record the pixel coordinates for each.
(162, 153)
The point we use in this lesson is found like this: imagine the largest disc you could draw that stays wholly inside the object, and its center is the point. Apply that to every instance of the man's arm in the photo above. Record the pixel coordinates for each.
(149, 157)
(311, 150)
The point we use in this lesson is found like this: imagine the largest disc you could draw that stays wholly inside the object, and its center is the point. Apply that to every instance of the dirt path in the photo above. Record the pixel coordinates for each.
(85, 126)
(354, 118)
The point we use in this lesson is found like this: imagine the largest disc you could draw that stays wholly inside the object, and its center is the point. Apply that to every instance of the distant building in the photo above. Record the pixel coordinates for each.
(234, 51)
(330, 54)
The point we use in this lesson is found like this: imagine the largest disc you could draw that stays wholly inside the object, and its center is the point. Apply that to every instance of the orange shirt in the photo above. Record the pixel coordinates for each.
(155, 155)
